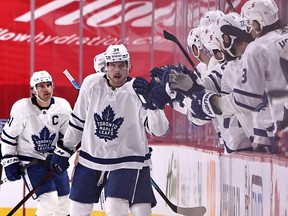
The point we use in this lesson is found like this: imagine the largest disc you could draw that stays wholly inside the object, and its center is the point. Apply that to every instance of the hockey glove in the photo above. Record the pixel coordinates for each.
(60, 158)
(161, 74)
(185, 81)
(204, 106)
(142, 89)
(158, 95)
(12, 167)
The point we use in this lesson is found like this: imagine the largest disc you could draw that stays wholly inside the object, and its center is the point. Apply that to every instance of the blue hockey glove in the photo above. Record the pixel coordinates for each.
(12, 167)
(185, 81)
(161, 74)
(60, 158)
(158, 95)
(204, 106)
(142, 89)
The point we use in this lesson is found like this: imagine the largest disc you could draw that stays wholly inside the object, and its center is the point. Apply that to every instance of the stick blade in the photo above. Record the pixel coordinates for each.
(169, 36)
(193, 211)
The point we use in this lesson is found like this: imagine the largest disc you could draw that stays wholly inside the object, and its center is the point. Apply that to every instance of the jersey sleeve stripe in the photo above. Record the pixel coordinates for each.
(10, 137)
(215, 83)
(8, 142)
(75, 126)
(76, 117)
(249, 94)
(244, 105)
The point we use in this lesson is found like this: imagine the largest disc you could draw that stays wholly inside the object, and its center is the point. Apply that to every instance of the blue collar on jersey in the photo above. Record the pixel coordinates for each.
(34, 101)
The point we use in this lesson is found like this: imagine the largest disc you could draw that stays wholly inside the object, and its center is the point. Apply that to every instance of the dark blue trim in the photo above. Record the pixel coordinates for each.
(244, 105)
(74, 116)
(10, 137)
(214, 81)
(7, 142)
(260, 132)
(76, 127)
(249, 94)
(140, 159)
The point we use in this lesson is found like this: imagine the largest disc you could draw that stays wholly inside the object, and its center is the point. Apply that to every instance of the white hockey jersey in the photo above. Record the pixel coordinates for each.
(31, 132)
(236, 130)
(110, 124)
(260, 72)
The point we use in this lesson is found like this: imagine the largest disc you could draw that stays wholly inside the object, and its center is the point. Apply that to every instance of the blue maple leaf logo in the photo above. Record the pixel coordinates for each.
(43, 142)
(106, 126)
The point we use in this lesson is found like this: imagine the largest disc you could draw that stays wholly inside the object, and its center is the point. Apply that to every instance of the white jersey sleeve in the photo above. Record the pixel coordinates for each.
(156, 123)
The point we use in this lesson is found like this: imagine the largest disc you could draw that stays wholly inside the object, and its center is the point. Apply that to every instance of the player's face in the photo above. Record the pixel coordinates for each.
(45, 91)
(117, 73)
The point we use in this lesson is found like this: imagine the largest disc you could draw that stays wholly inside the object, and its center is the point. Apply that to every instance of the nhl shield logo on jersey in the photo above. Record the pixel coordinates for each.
(106, 126)
(43, 142)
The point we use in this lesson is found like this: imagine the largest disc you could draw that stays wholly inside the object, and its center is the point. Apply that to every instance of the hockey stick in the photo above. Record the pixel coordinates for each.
(196, 211)
(41, 182)
(230, 5)
(71, 79)
(22, 169)
(173, 38)
(189, 211)
(279, 93)
(44, 179)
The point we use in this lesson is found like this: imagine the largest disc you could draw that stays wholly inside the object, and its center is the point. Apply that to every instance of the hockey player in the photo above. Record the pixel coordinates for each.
(110, 120)
(99, 63)
(260, 70)
(34, 127)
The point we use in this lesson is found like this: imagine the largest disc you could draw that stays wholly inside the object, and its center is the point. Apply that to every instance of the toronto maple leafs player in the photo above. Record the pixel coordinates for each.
(29, 137)
(109, 120)
(99, 63)
(261, 70)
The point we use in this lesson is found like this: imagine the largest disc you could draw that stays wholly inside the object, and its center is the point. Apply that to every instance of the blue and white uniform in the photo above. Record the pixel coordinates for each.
(111, 125)
(31, 134)
(260, 72)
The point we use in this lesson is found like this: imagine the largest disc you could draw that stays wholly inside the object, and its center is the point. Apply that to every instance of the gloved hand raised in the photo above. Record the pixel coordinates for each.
(184, 81)
(60, 158)
(161, 74)
(143, 89)
(158, 94)
(12, 167)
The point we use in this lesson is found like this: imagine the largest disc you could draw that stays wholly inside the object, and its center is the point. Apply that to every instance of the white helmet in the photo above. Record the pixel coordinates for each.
(194, 38)
(40, 77)
(208, 38)
(263, 11)
(115, 53)
(209, 17)
(99, 63)
(231, 24)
